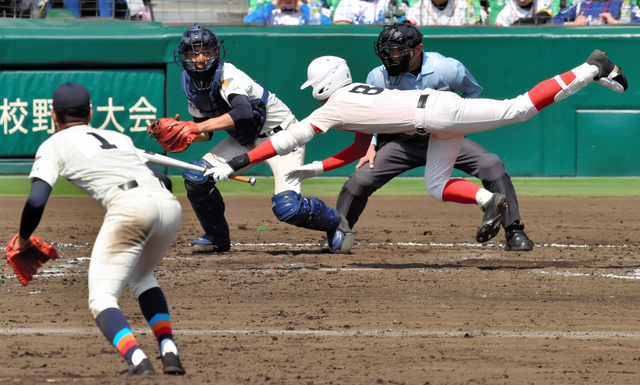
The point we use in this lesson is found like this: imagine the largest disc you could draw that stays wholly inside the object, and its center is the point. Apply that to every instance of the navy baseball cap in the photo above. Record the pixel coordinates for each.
(70, 95)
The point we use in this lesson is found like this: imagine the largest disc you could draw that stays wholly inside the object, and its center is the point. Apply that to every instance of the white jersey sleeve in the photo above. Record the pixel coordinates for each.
(46, 166)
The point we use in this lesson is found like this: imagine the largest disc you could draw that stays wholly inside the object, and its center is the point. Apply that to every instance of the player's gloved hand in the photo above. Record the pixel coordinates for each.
(219, 173)
(25, 259)
(310, 170)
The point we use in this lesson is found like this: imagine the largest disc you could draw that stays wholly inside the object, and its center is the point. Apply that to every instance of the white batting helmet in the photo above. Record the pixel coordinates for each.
(326, 74)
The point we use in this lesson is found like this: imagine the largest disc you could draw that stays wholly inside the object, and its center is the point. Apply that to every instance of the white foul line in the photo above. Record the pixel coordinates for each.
(352, 333)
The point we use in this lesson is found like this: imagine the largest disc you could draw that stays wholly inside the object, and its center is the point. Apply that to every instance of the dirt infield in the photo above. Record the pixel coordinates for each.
(417, 302)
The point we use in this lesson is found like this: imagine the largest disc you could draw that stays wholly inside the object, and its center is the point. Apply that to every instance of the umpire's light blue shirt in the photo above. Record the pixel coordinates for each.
(438, 72)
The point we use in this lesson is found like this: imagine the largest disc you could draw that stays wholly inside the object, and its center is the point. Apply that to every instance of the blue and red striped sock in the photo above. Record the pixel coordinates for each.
(156, 311)
(116, 329)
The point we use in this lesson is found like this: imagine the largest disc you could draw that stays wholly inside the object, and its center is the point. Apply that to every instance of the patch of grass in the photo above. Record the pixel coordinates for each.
(572, 186)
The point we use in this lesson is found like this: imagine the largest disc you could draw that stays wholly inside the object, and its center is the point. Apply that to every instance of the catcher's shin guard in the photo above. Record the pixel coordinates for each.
(307, 212)
(206, 201)
(312, 213)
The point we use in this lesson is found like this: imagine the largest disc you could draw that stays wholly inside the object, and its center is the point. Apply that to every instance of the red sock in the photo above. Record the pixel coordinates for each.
(544, 93)
(460, 191)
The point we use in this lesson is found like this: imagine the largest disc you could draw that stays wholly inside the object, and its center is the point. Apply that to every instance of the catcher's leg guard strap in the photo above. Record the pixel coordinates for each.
(307, 212)
(206, 201)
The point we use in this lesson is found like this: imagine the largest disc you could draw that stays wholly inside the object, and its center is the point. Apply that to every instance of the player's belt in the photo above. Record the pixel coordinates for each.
(128, 185)
(270, 133)
(422, 103)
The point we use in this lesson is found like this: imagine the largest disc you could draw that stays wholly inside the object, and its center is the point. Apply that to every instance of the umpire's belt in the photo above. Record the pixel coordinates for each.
(128, 185)
(422, 103)
(270, 133)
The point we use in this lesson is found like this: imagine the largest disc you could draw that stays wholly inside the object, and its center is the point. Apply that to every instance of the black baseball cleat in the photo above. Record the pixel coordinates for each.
(493, 212)
(172, 365)
(144, 368)
(609, 74)
(517, 239)
(211, 244)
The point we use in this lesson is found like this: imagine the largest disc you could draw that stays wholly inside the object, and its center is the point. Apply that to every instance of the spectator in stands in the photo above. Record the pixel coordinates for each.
(442, 12)
(521, 12)
(635, 16)
(593, 12)
(283, 12)
(366, 12)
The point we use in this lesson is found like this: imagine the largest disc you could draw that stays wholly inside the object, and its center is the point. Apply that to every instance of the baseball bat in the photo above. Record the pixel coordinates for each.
(163, 160)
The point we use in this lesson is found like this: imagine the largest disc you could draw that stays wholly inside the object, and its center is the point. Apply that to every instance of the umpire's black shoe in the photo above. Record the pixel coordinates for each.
(211, 244)
(609, 74)
(493, 212)
(144, 368)
(517, 239)
(324, 245)
(172, 365)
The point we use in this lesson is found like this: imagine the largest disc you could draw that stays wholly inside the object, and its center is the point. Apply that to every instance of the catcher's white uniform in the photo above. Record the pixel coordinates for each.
(142, 217)
(234, 81)
(445, 115)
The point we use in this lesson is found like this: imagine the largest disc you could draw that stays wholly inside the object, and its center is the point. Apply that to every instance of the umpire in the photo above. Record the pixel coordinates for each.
(406, 66)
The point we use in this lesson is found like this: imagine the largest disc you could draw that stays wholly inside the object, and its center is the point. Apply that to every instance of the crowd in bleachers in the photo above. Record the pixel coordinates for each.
(325, 12)
(445, 12)
(139, 10)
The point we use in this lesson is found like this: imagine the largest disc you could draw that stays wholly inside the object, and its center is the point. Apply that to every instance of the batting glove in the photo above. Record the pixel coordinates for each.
(220, 173)
(310, 170)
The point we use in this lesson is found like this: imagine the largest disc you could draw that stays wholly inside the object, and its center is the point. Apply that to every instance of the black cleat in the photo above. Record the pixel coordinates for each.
(609, 74)
(211, 244)
(144, 368)
(172, 365)
(493, 212)
(517, 239)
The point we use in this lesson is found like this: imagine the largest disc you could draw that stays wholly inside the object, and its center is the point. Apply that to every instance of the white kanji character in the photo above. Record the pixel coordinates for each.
(5, 117)
(9, 114)
(142, 105)
(42, 120)
(110, 116)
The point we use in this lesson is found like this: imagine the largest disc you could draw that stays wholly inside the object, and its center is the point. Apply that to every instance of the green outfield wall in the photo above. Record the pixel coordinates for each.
(130, 72)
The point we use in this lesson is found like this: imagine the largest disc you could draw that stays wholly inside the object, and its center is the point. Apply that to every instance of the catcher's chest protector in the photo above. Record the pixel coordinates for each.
(209, 103)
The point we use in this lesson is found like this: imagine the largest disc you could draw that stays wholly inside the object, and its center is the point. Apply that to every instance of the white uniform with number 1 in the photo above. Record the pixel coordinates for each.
(140, 223)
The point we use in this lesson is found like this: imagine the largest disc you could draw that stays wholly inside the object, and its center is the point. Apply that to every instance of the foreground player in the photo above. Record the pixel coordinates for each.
(221, 97)
(142, 218)
(406, 67)
(366, 110)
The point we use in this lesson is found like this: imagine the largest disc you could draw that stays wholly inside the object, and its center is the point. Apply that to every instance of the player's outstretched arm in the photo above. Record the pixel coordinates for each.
(282, 143)
(343, 158)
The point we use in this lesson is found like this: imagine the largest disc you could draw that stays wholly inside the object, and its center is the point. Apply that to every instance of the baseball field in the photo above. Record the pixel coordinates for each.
(418, 301)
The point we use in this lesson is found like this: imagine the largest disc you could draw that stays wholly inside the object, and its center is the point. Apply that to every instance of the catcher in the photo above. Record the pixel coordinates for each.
(221, 97)
(142, 218)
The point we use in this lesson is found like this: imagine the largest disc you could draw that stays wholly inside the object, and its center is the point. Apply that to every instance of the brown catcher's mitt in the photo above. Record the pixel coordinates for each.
(26, 262)
(173, 135)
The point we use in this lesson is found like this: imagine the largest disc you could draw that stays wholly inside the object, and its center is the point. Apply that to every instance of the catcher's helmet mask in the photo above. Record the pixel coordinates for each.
(196, 41)
(403, 38)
